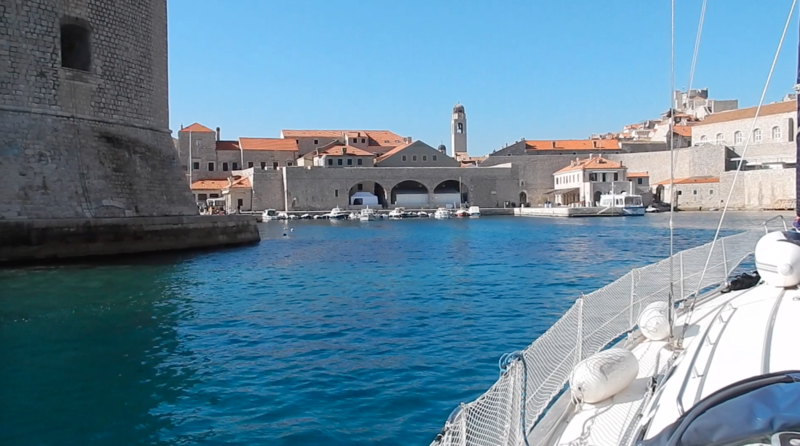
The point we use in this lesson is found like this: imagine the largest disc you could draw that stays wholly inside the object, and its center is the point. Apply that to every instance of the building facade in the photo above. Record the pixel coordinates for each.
(415, 154)
(583, 181)
(373, 141)
(337, 155)
(458, 132)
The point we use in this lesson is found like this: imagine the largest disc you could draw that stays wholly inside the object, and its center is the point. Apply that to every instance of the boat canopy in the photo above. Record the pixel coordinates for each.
(751, 411)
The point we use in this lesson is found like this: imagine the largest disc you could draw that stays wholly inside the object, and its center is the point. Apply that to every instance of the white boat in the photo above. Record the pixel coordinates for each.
(676, 353)
(474, 211)
(337, 214)
(397, 213)
(629, 204)
(442, 214)
(283, 215)
(461, 212)
(269, 215)
(353, 216)
(652, 209)
(367, 214)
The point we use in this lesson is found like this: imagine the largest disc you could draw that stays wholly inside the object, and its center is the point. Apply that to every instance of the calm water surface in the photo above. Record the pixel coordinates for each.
(340, 333)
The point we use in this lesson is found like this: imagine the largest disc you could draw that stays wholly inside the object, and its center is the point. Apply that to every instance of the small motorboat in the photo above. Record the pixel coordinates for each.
(337, 214)
(652, 209)
(269, 215)
(322, 216)
(283, 216)
(354, 216)
(367, 214)
(442, 214)
(462, 213)
(305, 217)
(398, 213)
(474, 211)
(423, 214)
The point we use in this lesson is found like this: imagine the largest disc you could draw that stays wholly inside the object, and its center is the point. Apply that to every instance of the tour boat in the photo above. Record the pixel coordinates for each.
(367, 214)
(474, 211)
(629, 204)
(442, 214)
(269, 214)
(398, 213)
(337, 214)
(676, 353)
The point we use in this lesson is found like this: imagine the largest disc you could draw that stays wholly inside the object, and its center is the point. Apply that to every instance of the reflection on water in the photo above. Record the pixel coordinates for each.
(354, 334)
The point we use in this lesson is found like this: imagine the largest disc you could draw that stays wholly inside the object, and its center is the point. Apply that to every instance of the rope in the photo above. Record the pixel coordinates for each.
(697, 45)
(738, 168)
(505, 364)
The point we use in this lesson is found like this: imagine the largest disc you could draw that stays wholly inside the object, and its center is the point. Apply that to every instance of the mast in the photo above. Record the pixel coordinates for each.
(796, 141)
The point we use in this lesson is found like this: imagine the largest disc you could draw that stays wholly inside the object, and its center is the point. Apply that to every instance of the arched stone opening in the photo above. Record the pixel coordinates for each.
(451, 192)
(523, 198)
(368, 193)
(409, 193)
(596, 201)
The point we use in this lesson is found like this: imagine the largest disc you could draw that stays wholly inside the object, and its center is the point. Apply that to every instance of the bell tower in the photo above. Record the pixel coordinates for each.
(458, 132)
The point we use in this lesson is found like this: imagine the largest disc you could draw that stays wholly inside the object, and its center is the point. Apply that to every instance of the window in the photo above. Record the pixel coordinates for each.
(460, 128)
(405, 158)
(288, 163)
(434, 158)
(210, 167)
(263, 164)
(213, 196)
(737, 138)
(275, 165)
(639, 181)
(703, 138)
(680, 192)
(249, 164)
(694, 192)
(339, 161)
(202, 197)
(196, 165)
(330, 161)
(363, 140)
(360, 186)
(592, 177)
(711, 192)
(604, 177)
(197, 143)
(776, 132)
(616, 176)
(719, 139)
(75, 47)
(790, 131)
(757, 135)
(349, 161)
(413, 157)
(239, 203)
(360, 161)
(224, 167)
(316, 141)
(336, 192)
(235, 166)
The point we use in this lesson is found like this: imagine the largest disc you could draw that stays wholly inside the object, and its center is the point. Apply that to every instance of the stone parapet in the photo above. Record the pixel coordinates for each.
(53, 239)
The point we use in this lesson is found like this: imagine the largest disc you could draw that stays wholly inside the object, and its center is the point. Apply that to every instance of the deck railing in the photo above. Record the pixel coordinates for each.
(539, 374)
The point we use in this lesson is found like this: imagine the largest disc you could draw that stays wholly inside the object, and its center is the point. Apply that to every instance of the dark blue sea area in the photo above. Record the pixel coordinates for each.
(339, 333)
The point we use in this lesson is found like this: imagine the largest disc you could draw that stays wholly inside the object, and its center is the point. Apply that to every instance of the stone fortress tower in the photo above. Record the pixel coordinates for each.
(84, 113)
(458, 132)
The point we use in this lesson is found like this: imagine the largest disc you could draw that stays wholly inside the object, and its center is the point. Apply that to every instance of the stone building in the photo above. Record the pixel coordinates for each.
(337, 154)
(693, 193)
(84, 132)
(697, 103)
(583, 181)
(374, 141)
(415, 154)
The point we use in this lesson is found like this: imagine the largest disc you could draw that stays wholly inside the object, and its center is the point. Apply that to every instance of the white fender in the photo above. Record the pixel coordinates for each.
(778, 258)
(654, 321)
(603, 375)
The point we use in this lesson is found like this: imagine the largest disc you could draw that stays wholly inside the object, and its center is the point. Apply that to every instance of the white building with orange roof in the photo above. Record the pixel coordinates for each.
(585, 180)
(337, 154)
(374, 141)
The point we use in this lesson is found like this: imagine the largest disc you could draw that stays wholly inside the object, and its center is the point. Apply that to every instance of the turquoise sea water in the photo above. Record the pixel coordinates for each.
(340, 333)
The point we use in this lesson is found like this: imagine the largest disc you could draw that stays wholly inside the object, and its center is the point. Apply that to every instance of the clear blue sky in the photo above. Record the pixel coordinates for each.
(533, 69)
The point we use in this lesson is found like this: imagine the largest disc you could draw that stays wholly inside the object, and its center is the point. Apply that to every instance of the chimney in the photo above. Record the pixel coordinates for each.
(594, 144)
(407, 140)
(181, 126)
(553, 145)
(344, 150)
(218, 134)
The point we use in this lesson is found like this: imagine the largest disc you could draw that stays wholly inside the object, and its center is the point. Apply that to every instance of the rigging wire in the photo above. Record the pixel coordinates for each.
(738, 167)
(697, 45)
(671, 297)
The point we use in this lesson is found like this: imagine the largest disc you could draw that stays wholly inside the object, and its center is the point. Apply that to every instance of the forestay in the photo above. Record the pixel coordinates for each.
(499, 416)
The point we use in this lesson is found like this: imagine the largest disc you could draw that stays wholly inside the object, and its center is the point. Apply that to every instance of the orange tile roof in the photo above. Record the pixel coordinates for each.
(574, 144)
(277, 144)
(241, 183)
(382, 138)
(638, 175)
(227, 145)
(197, 128)
(392, 152)
(210, 184)
(749, 113)
(690, 180)
(591, 163)
(683, 130)
(337, 151)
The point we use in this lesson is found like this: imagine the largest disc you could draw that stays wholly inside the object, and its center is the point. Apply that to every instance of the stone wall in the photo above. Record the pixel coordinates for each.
(267, 189)
(689, 162)
(32, 240)
(759, 189)
(93, 143)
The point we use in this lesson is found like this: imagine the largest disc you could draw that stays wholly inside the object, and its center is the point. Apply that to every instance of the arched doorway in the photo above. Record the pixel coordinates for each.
(659, 194)
(367, 193)
(597, 195)
(451, 192)
(409, 193)
(523, 198)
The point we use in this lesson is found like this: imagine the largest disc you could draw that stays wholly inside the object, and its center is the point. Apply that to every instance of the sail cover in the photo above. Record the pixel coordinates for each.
(750, 410)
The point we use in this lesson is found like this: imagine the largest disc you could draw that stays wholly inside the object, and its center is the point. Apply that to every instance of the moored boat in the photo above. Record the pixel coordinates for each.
(337, 214)
(367, 214)
(269, 215)
(442, 214)
(628, 204)
(398, 213)
(474, 211)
